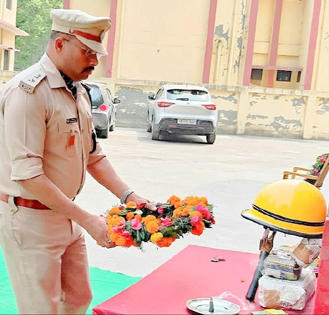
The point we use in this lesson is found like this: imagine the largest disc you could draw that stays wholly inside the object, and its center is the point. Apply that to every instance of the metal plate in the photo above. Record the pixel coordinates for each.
(201, 306)
(186, 121)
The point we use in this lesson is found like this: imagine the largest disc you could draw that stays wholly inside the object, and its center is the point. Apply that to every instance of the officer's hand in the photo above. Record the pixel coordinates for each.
(96, 226)
(141, 201)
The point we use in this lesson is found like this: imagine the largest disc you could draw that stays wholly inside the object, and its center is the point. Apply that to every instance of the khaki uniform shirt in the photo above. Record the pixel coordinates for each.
(44, 130)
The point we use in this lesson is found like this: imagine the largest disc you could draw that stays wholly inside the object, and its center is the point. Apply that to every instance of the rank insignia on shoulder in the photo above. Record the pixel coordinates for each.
(29, 83)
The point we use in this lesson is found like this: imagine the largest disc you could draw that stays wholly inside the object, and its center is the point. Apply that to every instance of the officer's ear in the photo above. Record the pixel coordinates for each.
(60, 42)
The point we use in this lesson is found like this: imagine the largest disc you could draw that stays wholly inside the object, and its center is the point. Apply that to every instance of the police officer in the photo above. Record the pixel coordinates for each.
(46, 147)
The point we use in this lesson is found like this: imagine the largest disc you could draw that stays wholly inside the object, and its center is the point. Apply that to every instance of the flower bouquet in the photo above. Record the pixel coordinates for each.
(132, 225)
(317, 167)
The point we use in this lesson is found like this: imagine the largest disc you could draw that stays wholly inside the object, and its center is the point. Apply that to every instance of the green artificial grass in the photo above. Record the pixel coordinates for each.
(105, 284)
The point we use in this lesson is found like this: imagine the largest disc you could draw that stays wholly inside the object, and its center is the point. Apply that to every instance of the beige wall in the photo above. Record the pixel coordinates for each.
(164, 41)
(8, 38)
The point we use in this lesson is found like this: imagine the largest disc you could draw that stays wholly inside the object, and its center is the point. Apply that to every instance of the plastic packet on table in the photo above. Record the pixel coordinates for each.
(284, 294)
(280, 264)
(307, 251)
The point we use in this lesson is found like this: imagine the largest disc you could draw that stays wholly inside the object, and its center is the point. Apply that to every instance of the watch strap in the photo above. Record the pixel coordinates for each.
(125, 195)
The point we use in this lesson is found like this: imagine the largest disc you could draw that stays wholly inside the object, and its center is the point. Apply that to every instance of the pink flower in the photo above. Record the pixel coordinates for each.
(323, 159)
(195, 220)
(135, 224)
(121, 207)
(166, 221)
(160, 210)
(204, 211)
(315, 171)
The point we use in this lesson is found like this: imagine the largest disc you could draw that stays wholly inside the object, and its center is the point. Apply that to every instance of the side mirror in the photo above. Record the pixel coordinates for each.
(151, 96)
(116, 101)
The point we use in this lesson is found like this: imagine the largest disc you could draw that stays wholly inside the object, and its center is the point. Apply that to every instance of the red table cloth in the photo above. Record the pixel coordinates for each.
(188, 275)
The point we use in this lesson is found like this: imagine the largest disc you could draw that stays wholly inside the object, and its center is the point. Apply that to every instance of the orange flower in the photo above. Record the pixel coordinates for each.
(178, 204)
(204, 200)
(198, 228)
(193, 213)
(193, 202)
(131, 204)
(165, 241)
(138, 217)
(130, 216)
(173, 199)
(152, 227)
(186, 211)
(114, 210)
(113, 221)
(177, 213)
(156, 237)
(148, 219)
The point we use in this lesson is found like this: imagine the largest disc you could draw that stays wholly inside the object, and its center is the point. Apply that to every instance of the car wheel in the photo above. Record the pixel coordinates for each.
(155, 132)
(211, 138)
(102, 133)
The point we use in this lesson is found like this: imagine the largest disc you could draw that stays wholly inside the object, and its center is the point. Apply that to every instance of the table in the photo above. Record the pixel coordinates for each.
(191, 274)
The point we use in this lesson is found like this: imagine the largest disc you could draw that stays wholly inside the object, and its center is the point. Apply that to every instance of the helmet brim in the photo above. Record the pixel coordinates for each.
(283, 227)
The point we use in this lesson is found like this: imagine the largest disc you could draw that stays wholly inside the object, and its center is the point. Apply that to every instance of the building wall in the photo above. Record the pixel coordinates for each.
(8, 38)
(159, 42)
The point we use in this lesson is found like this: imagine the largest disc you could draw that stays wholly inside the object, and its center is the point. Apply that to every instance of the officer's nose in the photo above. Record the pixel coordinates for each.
(93, 60)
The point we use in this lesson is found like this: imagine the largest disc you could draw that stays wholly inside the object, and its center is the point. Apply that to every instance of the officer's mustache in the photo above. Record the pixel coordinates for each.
(89, 68)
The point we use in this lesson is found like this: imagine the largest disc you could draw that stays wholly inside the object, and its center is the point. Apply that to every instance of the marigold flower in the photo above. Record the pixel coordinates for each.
(193, 213)
(173, 199)
(131, 204)
(156, 237)
(152, 227)
(148, 219)
(130, 215)
(114, 210)
(204, 200)
(138, 217)
(178, 204)
(177, 213)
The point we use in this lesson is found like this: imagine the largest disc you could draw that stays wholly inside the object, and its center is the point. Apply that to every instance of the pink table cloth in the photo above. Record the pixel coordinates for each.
(188, 275)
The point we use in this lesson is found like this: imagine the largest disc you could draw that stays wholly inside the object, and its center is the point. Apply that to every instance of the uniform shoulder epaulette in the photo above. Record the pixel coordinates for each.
(30, 82)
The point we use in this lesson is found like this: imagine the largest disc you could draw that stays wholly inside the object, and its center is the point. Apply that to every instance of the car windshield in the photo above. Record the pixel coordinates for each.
(96, 96)
(188, 95)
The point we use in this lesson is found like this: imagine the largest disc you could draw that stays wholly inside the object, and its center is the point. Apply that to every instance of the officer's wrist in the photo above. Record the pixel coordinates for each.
(125, 195)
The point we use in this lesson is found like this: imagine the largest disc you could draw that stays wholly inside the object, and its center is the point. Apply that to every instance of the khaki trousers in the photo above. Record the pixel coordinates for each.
(46, 258)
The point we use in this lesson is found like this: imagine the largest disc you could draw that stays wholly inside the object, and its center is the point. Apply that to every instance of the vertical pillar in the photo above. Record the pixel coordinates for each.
(210, 41)
(274, 41)
(111, 39)
(321, 305)
(312, 44)
(251, 42)
(66, 4)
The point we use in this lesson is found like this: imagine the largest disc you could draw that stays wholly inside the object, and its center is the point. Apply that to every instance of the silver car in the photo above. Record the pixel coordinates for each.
(103, 108)
(182, 109)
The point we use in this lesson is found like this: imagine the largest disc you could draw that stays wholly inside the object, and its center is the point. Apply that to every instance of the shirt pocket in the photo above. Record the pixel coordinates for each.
(70, 135)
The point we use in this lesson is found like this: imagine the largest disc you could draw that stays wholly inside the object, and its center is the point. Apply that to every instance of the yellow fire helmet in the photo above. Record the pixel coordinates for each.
(290, 206)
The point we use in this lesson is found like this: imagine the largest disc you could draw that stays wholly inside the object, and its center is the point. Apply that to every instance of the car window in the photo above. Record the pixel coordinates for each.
(191, 95)
(96, 95)
(158, 95)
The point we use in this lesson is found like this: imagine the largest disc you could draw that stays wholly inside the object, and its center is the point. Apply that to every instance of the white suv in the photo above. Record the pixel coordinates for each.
(183, 109)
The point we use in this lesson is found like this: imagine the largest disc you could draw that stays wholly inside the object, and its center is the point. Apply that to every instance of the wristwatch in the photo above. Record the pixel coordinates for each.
(125, 195)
